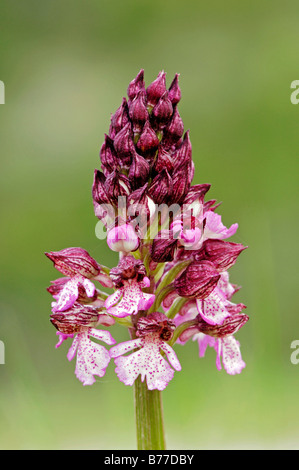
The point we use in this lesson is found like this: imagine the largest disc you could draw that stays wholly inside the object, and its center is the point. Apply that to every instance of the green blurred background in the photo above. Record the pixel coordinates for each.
(66, 66)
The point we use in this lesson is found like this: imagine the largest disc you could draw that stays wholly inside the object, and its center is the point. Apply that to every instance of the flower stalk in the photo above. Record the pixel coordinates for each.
(149, 417)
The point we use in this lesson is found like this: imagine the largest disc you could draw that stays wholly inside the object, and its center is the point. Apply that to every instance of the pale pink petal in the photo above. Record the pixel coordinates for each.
(67, 296)
(171, 355)
(146, 301)
(89, 287)
(124, 347)
(149, 364)
(214, 227)
(231, 355)
(129, 304)
(113, 299)
(92, 359)
(146, 362)
(212, 309)
(102, 335)
(72, 351)
(62, 337)
(203, 342)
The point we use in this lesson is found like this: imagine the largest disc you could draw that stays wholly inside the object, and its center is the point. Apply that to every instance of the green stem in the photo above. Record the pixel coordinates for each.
(149, 417)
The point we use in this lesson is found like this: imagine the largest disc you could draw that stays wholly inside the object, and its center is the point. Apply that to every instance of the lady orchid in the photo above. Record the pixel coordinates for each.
(171, 282)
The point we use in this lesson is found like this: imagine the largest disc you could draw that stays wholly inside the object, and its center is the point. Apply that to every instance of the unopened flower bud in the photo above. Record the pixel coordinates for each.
(163, 249)
(73, 261)
(174, 91)
(117, 185)
(138, 111)
(198, 280)
(108, 155)
(124, 145)
(148, 141)
(119, 119)
(139, 171)
(184, 153)
(222, 254)
(123, 238)
(162, 111)
(99, 193)
(174, 130)
(160, 189)
(156, 89)
(180, 183)
(136, 85)
(163, 160)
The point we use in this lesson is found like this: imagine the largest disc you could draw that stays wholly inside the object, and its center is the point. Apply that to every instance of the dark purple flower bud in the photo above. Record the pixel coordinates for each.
(117, 185)
(174, 130)
(163, 161)
(72, 261)
(162, 111)
(184, 153)
(124, 145)
(197, 191)
(222, 254)
(197, 281)
(174, 91)
(136, 85)
(156, 89)
(148, 141)
(127, 268)
(138, 111)
(156, 322)
(180, 184)
(163, 249)
(139, 171)
(160, 190)
(99, 193)
(108, 156)
(119, 119)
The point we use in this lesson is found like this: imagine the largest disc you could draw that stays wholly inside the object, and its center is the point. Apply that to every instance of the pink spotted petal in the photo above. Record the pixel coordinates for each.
(171, 356)
(67, 296)
(92, 360)
(102, 335)
(89, 287)
(125, 347)
(129, 304)
(231, 355)
(113, 299)
(153, 367)
(212, 309)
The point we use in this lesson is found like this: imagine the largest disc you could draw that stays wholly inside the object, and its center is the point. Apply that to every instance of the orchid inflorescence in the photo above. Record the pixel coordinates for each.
(171, 283)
